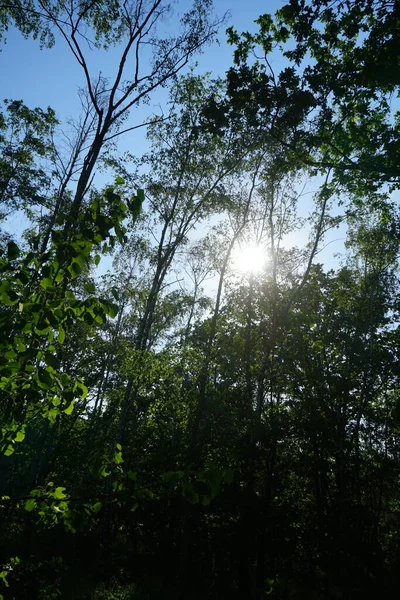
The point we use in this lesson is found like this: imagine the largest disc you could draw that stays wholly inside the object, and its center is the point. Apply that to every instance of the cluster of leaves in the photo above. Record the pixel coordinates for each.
(25, 142)
(39, 308)
(331, 104)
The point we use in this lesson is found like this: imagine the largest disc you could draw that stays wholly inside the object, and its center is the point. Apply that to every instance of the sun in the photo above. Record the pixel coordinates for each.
(249, 258)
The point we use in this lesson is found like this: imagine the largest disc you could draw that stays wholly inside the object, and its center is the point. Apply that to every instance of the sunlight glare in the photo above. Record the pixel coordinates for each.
(249, 258)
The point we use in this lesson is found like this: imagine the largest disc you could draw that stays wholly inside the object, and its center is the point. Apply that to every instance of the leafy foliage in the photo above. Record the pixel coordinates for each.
(331, 105)
(159, 437)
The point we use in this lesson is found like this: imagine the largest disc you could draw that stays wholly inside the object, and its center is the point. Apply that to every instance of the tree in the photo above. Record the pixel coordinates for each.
(189, 168)
(335, 94)
(26, 142)
(131, 25)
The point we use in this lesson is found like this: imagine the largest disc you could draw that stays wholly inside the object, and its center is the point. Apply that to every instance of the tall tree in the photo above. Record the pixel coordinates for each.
(146, 62)
(189, 169)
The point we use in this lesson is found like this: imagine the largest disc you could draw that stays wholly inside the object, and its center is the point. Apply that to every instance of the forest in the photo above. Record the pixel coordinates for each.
(199, 393)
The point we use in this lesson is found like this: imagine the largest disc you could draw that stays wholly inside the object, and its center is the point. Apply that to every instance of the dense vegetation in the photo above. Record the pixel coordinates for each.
(180, 427)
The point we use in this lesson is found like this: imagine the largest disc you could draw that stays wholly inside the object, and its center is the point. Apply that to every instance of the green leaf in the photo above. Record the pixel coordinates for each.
(52, 415)
(80, 259)
(42, 327)
(119, 180)
(5, 285)
(9, 298)
(140, 195)
(189, 492)
(228, 476)
(206, 500)
(90, 288)
(97, 507)
(61, 335)
(52, 361)
(44, 379)
(12, 250)
(14, 366)
(19, 437)
(109, 308)
(269, 586)
(104, 473)
(59, 493)
(30, 504)
(82, 387)
(118, 458)
(9, 450)
(74, 270)
(3, 576)
(47, 284)
(69, 408)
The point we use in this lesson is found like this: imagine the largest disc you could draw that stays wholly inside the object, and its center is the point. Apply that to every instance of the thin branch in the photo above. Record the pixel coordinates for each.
(160, 120)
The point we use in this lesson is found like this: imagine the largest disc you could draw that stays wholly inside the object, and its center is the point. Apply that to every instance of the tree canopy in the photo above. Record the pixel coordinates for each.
(196, 400)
